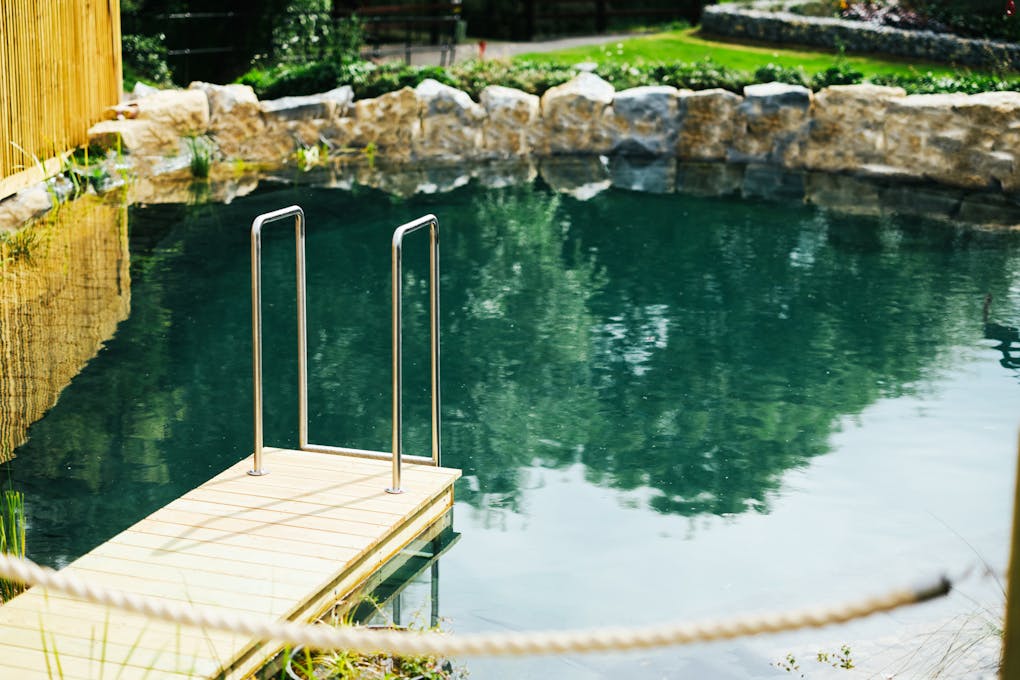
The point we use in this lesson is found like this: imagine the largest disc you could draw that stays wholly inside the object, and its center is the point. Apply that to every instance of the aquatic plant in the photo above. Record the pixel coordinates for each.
(12, 536)
(301, 663)
(201, 156)
(18, 246)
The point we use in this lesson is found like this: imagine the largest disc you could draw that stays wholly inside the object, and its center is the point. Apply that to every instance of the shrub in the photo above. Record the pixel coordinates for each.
(838, 74)
(971, 18)
(929, 83)
(286, 79)
(144, 58)
(774, 73)
(372, 80)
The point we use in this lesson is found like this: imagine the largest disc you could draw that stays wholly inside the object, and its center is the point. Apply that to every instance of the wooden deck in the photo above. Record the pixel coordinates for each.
(286, 545)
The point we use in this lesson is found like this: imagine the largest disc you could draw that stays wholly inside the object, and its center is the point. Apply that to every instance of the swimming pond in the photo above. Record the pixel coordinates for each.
(665, 406)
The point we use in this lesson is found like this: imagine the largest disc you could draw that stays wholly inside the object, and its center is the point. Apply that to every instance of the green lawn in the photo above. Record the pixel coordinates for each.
(688, 46)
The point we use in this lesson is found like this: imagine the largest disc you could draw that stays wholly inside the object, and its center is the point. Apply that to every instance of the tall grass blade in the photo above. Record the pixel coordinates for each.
(12, 537)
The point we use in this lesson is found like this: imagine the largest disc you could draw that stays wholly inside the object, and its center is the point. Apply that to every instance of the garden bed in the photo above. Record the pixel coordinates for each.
(761, 23)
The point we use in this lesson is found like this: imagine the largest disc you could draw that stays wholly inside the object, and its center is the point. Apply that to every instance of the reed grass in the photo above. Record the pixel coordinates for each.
(12, 537)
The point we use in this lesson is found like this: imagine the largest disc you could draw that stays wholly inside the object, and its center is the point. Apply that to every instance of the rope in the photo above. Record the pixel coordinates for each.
(318, 636)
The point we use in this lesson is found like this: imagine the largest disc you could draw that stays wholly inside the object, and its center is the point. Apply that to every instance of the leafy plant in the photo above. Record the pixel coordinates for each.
(837, 74)
(336, 665)
(307, 30)
(971, 18)
(145, 59)
(780, 74)
(840, 659)
(837, 659)
(308, 157)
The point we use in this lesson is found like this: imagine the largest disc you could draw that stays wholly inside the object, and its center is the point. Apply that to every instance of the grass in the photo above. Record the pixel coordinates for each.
(688, 45)
(201, 156)
(12, 537)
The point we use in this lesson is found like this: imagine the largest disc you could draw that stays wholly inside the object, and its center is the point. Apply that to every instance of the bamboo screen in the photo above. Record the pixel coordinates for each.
(60, 68)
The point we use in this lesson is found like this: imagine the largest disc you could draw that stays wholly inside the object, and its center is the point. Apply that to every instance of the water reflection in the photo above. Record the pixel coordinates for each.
(695, 349)
(59, 303)
(690, 346)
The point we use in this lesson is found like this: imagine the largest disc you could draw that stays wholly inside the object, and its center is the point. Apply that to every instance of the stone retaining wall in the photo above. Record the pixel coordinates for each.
(732, 20)
(967, 141)
(955, 140)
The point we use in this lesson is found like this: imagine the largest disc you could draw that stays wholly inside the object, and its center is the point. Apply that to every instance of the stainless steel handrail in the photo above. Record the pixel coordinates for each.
(432, 223)
(256, 290)
(256, 326)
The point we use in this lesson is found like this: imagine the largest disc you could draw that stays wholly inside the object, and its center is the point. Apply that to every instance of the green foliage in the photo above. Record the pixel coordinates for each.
(309, 157)
(306, 31)
(144, 59)
(18, 246)
(690, 46)
(474, 76)
(285, 79)
(84, 168)
(839, 73)
(968, 83)
(12, 536)
(372, 80)
(840, 659)
(971, 18)
(339, 664)
(779, 74)
(201, 156)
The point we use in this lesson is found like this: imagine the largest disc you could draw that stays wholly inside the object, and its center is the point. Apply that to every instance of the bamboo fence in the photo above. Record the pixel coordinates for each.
(60, 68)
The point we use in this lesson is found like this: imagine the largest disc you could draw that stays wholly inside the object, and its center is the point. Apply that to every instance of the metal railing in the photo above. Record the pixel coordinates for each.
(256, 326)
(432, 223)
(396, 454)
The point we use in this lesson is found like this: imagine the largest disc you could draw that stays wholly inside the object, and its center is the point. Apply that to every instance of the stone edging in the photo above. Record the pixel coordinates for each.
(963, 141)
(736, 21)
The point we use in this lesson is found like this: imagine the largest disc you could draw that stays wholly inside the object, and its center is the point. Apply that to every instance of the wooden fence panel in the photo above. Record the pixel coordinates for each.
(60, 68)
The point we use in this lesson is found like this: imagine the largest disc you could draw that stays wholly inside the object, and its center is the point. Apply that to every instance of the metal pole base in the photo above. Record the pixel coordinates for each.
(258, 473)
(394, 491)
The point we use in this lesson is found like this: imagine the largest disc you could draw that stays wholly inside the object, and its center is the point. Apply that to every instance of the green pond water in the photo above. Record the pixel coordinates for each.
(664, 406)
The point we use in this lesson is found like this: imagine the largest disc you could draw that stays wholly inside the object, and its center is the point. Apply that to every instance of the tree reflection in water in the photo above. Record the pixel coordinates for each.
(694, 347)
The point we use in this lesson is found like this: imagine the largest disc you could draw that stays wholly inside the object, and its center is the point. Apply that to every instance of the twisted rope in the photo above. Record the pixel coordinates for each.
(400, 643)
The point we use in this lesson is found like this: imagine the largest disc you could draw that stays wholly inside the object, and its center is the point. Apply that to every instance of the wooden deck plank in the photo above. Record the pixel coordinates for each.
(283, 545)
(246, 533)
(235, 559)
(238, 504)
(243, 492)
(90, 664)
(186, 583)
(78, 631)
(321, 522)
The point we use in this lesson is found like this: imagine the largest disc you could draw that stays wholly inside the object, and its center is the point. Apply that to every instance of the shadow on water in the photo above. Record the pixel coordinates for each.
(695, 345)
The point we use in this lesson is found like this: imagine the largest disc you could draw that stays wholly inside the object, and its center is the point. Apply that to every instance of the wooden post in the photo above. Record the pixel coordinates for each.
(1011, 633)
